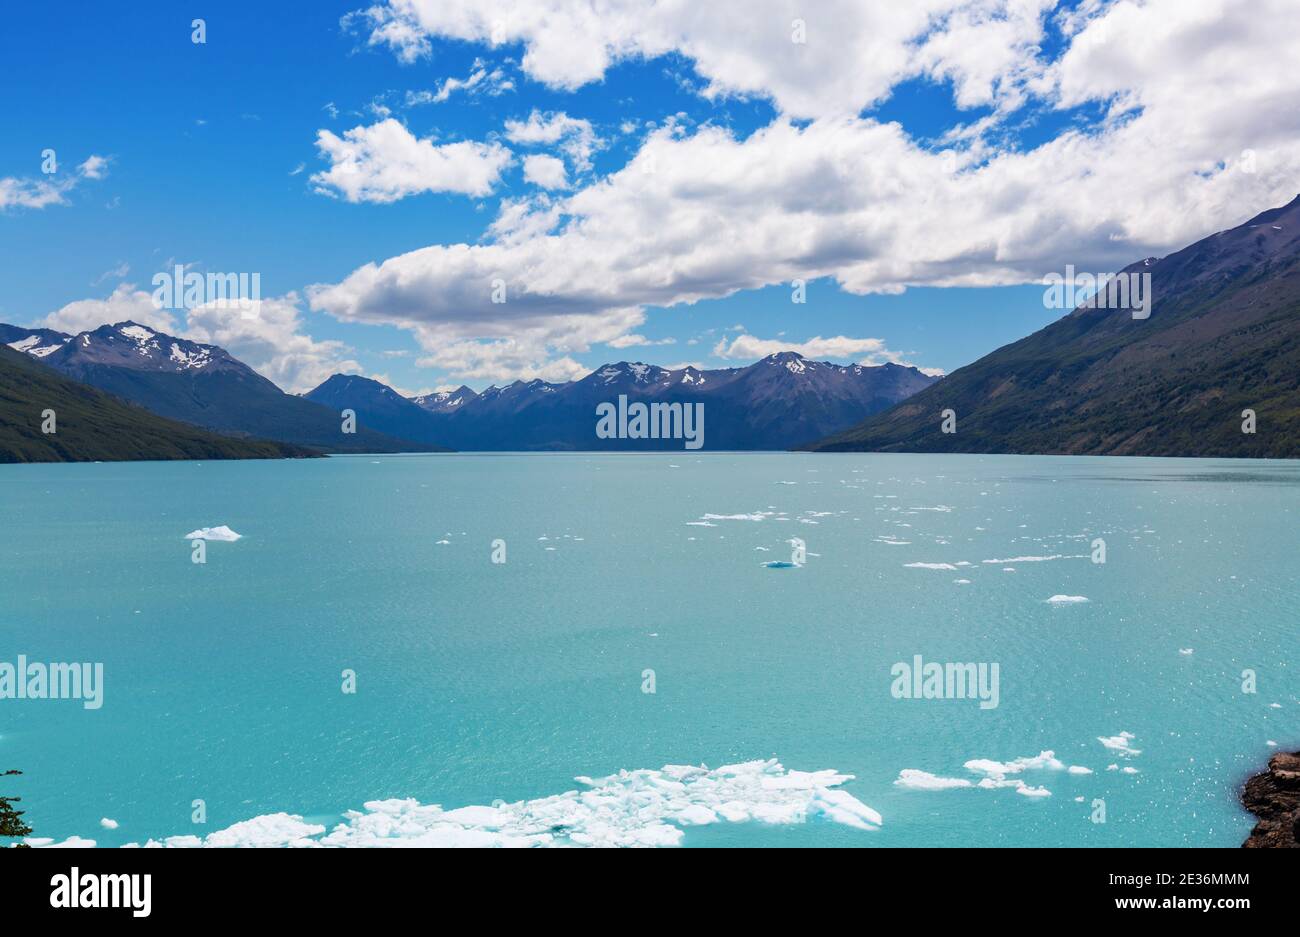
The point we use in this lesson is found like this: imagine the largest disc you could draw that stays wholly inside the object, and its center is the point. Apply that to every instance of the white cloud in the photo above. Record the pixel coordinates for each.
(852, 53)
(95, 167)
(385, 162)
(114, 273)
(273, 342)
(545, 171)
(18, 192)
(482, 79)
(125, 302)
(575, 136)
(502, 361)
(406, 40)
(632, 340)
(749, 347)
(701, 213)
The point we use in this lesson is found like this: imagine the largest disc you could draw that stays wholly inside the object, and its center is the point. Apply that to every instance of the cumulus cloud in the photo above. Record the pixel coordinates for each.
(834, 57)
(575, 136)
(272, 342)
(545, 171)
(16, 192)
(385, 162)
(125, 302)
(703, 213)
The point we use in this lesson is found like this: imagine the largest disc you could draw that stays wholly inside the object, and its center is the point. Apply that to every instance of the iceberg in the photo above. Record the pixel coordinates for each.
(213, 533)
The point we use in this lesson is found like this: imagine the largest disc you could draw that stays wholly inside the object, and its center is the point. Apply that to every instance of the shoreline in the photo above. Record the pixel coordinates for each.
(1274, 797)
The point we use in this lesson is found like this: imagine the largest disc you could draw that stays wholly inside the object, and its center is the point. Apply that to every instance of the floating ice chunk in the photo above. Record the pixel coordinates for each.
(213, 533)
(962, 582)
(1032, 559)
(108, 824)
(1185, 651)
(930, 566)
(999, 769)
(1120, 743)
(1028, 791)
(630, 808)
(275, 829)
(1067, 599)
(72, 842)
(1079, 769)
(916, 780)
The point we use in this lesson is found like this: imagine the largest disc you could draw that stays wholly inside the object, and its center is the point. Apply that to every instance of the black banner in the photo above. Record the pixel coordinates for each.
(151, 887)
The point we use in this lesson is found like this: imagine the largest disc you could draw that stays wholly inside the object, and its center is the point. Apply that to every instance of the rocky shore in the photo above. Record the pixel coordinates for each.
(1274, 797)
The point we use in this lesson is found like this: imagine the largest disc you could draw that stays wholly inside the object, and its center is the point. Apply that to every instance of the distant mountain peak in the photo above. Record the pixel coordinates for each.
(638, 372)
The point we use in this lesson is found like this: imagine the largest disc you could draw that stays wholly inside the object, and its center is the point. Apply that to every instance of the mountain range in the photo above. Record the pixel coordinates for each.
(1217, 356)
(90, 425)
(777, 403)
(1222, 337)
(198, 384)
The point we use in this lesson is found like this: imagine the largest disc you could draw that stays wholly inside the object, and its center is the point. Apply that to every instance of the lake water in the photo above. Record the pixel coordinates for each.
(479, 682)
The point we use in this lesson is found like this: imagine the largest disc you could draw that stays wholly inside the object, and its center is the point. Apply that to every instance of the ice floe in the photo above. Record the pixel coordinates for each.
(1120, 743)
(630, 808)
(1035, 559)
(916, 780)
(213, 533)
(930, 566)
(1067, 599)
(996, 775)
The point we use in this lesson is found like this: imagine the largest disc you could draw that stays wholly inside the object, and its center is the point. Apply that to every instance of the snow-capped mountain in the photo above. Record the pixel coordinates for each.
(445, 401)
(135, 347)
(199, 384)
(35, 342)
(777, 403)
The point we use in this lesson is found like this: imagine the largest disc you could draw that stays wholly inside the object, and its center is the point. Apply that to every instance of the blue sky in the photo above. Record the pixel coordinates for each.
(214, 159)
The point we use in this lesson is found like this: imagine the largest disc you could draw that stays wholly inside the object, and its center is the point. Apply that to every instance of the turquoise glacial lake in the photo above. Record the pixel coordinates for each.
(480, 682)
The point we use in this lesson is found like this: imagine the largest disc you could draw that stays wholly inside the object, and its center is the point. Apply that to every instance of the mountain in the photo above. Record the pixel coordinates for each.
(379, 407)
(199, 384)
(445, 401)
(1222, 336)
(93, 426)
(777, 403)
(36, 342)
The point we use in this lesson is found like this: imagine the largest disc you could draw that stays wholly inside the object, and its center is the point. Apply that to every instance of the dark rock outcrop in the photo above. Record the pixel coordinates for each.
(1274, 797)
